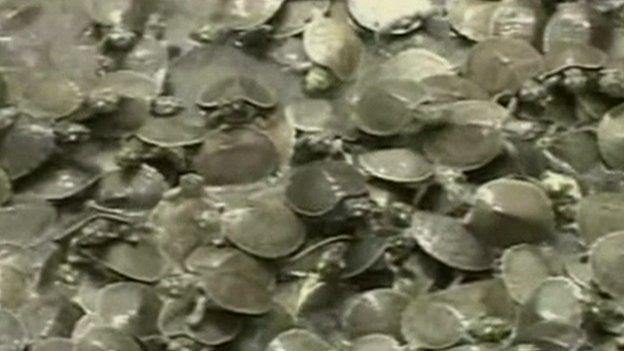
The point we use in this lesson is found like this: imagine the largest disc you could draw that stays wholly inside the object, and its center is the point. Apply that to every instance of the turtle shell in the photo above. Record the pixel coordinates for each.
(181, 130)
(571, 24)
(237, 14)
(501, 65)
(445, 239)
(129, 307)
(556, 300)
(129, 84)
(236, 156)
(501, 218)
(565, 57)
(375, 311)
(132, 189)
(13, 287)
(446, 88)
(317, 188)
(237, 88)
(387, 107)
(61, 179)
(266, 228)
(26, 224)
(610, 141)
(333, 44)
(53, 344)
(50, 316)
(376, 342)
(394, 17)
(600, 214)
(605, 258)
(517, 20)
(523, 269)
(25, 147)
(13, 336)
(298, 340)
(471, 18)
(106, 339)
(399, 165)
(431, 325)
(415, 64)
(295, 15)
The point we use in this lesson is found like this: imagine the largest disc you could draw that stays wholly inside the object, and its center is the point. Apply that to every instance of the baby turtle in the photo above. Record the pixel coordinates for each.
(106, 339)
(298, 340)
(253, 153)
(26, 224)
(523, 269)
(400, 165)
(571, 62)
(375, 342)
(571, 24)
(335, 49)
(61, 179)
(502, 65)
(374, 311)
(390, 17)
(295, 15)
(237, 89)
(129, 307)
(600, 214)
(414, 64)
(172, 132)
(517, 19)
(498, 219)
(431, 325)
(469, 138)
(446, 239)
(238, 15)
(471, 18)
(605, 258)
(610, 141)
(446, 88)
(265, 228)
(318, 188)
(25, 147)
(388, 107)
(13, 336)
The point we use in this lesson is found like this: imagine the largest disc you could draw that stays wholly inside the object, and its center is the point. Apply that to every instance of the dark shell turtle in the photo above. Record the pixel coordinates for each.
(295, 15)
(374, 311)
(131, 189)
(50, 316)
(502, 65)
(46, 94)
(471, 136)
(600, 214)
(446, 239)
(266, 228)
(237, 89)
(333, 45)
(181, 130)
(500, 218)
(216, 327)
(13, 336)
(26, 224)
(129, 307)
(106, 339)
(572, 23)
(236, 156)
(61, 179)
(376, 342)
(298, 340)
(233, 280)
(317, 188)
(610, 141)
(517, 20)
(390, 17)
(387, 107)
(25, 147)
(400, 165)
(605, 257)
(565, 57)
(432, 325)
(523, 269)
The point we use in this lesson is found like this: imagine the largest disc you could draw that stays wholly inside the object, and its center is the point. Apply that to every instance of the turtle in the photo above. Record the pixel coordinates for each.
(300, 340)
(106, 338)
(430, 324)
(517, 19)
(319, 188)
(26, 146)
(374, 311)
(445, 239)
(597, 215)
(393, 17)
(27, 223)
(608, 137)
(173, 132)
(605, 254)
(523, 268)
(265, 228)
(396, 165)
(570, 64)
(414, 64)
(510, 61)
(13, 287)
(295, 15)
(471, 18)
(335, 50)
(49, 316)
(571, 24)
(380, 342)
